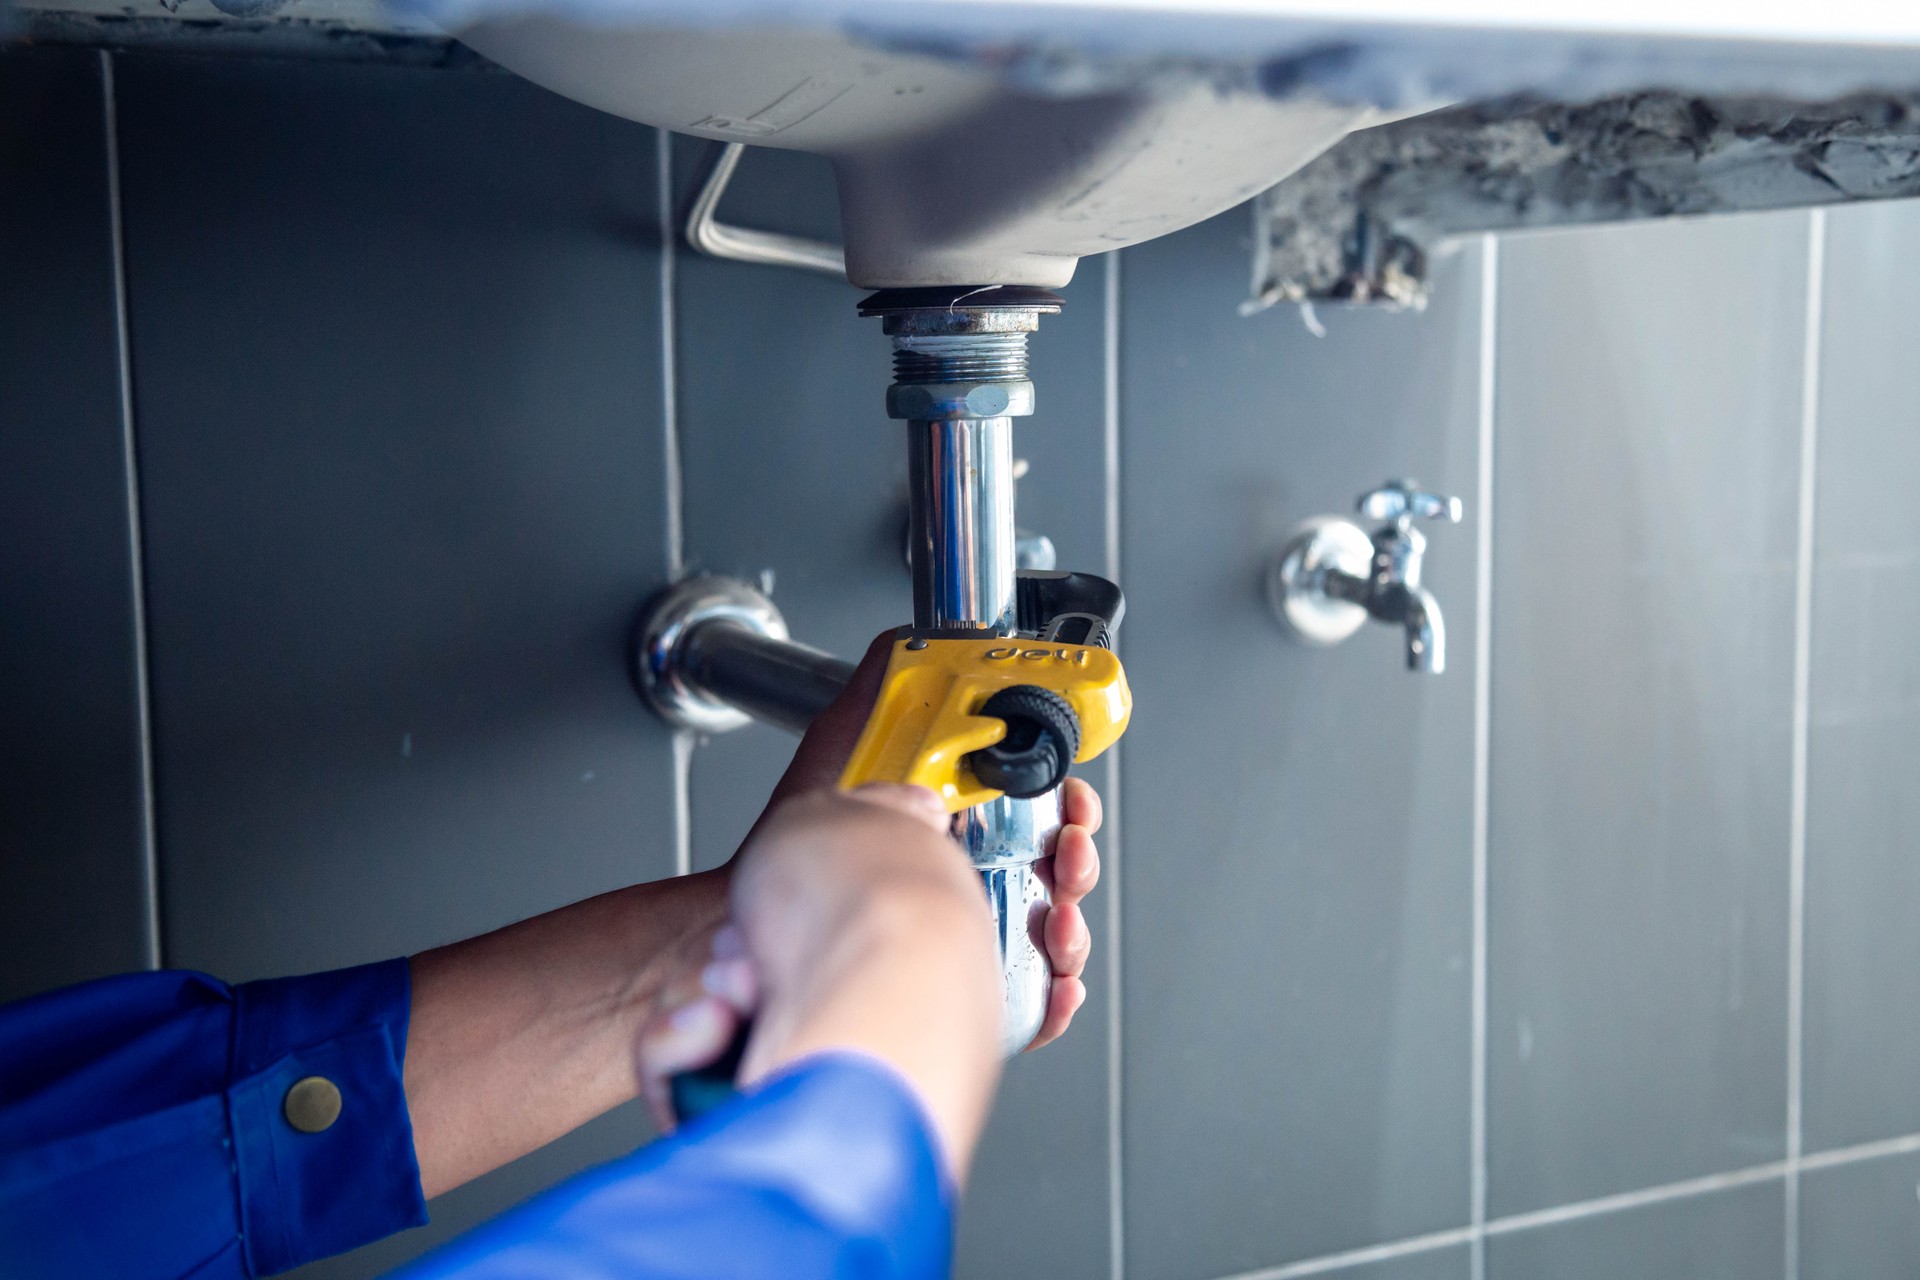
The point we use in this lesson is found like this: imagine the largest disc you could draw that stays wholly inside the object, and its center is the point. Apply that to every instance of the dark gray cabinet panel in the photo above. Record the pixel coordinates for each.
(73, 902)
(793, 469)
(1647, 454)
(1297, 820)
(1861, 1221)
(1863, 807)
(398, 352)
(1728, 1235)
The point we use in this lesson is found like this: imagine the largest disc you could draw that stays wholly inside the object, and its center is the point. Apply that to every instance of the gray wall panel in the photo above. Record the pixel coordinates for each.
(398, 347)
(1647, 455)
(1861, 1221)
(792, 468)
(1727, 1235)
(1439, 1264)
(1863, 807)
(1450, 1263)
(1298, 821)
(73, 902)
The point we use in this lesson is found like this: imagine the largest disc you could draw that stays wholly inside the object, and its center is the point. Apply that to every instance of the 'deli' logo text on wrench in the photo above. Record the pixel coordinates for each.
(1010, 653)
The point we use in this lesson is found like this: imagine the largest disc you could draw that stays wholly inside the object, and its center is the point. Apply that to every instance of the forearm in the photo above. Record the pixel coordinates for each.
(520, 1035)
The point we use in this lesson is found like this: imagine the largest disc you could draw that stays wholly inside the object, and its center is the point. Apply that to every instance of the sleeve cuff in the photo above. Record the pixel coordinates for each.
(329, 1164)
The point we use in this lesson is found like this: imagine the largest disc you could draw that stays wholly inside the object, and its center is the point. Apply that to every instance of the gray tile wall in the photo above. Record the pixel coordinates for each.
(1861, 1221)
(1298, 899)
(1724, 1235)
(1863, 805)
(1647, 479)
(1496, 973)
(75, 892)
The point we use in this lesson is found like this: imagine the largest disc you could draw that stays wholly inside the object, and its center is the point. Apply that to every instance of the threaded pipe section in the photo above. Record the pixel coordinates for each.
(960, 357)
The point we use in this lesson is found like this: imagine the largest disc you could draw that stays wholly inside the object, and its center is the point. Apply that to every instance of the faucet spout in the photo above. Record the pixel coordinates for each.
(1413, 608)
(1426, 631)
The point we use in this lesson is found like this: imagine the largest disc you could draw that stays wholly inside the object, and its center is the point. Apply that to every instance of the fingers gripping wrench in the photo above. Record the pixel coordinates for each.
(975, 718)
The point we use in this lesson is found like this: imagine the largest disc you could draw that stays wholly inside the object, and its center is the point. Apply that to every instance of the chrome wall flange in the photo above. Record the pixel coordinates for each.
(660, 647)
(1298, 579)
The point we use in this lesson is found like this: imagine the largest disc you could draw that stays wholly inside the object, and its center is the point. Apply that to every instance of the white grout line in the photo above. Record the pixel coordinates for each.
(136, 537)
(1482, 756)
(1362, 1257)
(673, 478)
(683, 747)
(1110, 833)
(1905, 1144)
(1640, 1199)
(669, 374)
(1802, 679)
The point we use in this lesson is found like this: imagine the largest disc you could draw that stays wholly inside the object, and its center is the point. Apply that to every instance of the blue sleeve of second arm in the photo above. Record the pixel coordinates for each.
(827, 1171)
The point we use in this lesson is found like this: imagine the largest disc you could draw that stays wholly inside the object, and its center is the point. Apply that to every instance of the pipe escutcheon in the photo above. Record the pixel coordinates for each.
(659, 651)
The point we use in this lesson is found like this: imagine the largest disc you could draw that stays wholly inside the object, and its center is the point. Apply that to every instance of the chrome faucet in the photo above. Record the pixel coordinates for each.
(1332, 575)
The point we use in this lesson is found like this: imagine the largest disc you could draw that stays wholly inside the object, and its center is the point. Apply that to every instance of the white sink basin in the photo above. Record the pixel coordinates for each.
(947, 174)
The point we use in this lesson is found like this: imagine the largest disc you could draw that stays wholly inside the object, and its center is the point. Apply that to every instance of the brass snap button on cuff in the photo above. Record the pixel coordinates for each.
(312, 1104)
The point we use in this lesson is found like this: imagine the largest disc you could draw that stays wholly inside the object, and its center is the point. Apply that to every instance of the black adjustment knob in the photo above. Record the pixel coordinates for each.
(1043, 736)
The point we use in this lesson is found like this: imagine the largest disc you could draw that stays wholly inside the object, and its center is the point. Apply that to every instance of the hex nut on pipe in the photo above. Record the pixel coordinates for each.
(932, 401)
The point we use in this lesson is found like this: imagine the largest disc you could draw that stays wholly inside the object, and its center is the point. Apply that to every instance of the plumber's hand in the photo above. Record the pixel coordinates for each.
(1072, 871)
(857, 925)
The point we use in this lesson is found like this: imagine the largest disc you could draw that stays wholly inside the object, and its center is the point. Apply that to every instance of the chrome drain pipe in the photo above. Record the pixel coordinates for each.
(713, 653)
(960, 379)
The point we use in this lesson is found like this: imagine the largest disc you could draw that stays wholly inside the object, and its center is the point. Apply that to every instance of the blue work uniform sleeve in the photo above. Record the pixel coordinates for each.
(164, 1125)
(827, 1171)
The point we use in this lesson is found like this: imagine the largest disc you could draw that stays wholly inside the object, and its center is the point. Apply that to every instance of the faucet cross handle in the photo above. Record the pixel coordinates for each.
(1403, 501)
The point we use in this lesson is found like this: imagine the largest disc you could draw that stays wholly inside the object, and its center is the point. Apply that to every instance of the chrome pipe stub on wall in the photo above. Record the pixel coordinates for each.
(711, 654)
